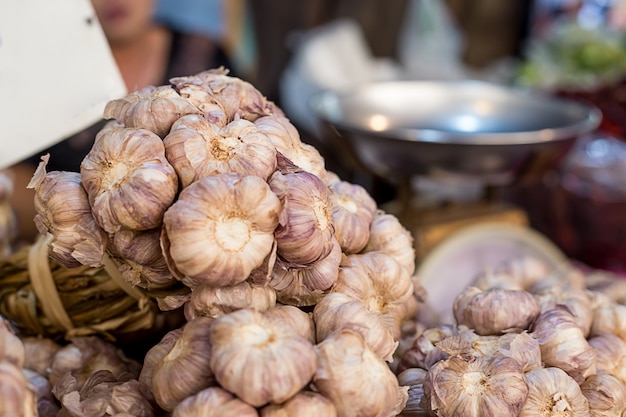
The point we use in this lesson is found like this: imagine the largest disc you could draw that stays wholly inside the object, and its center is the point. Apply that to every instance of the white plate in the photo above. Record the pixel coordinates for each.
(455, 262)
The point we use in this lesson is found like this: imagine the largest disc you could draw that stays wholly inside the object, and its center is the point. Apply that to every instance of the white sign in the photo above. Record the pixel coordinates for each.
(56, 74)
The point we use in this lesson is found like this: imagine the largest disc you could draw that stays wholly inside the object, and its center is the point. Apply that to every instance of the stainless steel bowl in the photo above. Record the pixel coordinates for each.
(401, 128)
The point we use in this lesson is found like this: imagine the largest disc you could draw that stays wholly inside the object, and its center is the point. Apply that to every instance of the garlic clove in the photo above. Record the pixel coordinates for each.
(259, 359)
(216, 301)
(355, 379)
(305, 233)
(389, 236)
(154, 109)
(481, 386)
(129, 181)
(220, 229)
(353, 212)
(63, 210)
(213, 402)
(552, 392)
(184, 370)
(337, 310)
(495, 311)
(303, 404)
(563, 343)
(196, 149)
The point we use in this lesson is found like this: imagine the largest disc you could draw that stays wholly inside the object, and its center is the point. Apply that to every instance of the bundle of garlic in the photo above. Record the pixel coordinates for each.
(527, 341)
(201, 195)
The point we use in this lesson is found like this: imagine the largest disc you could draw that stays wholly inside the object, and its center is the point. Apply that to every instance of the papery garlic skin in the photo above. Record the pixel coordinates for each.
(303, 404)
(353, 212)
(494, 311)
(12, 348)
(482, 386)
(417, 405)
(522, 347)
(355, 379)
(423, 352)
(47, 405)
(519, 273)
(337, 310)
(577, 301)
(129, 181)
(213, 402)
(563, 343)
(305, 233)
(216, 301)
(197, 148)
(220, 229)
(389, 236)
(184, 370)
(63, 210)
(152, 108)
(260, 359)
(551, 392)
(39, 354)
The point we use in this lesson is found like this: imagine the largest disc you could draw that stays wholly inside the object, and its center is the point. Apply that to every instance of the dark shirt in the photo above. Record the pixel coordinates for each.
(190, 54)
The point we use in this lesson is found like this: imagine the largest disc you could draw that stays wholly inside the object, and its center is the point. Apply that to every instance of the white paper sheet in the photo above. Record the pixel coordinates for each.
(56, 74)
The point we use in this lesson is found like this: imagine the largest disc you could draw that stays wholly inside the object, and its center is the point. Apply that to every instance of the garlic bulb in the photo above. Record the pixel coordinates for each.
(39, 354)
(423, 352)
(417, 404)
(299, 321)
(355, 379)
(606, 395)
(566, 276)
(286, 140)
(482, 386)
(140, 259)
(610, 318)
(520, 346)
(152, 108)
(577, 302)
(47, 405)
(303, 404)
(389, 236)
(305, 286)
(17, 398)
(378, 281)
(63, 210)
(259, 359)
(213, 402)
(155, 355)
(239, 98)
(196, 149)
(185, 370)
(11, 346)
(608, 284)
(129, 182)
(216, 301)
(220, 229)
(104, 394)
(353, 212)
(563, 343)
(610, 354)
(305, 233)
(337, 310)
(495, 311)
(553, 393)
(85, 356)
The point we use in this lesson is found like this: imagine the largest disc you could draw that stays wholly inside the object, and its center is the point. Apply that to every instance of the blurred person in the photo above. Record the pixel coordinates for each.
(147, 52)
